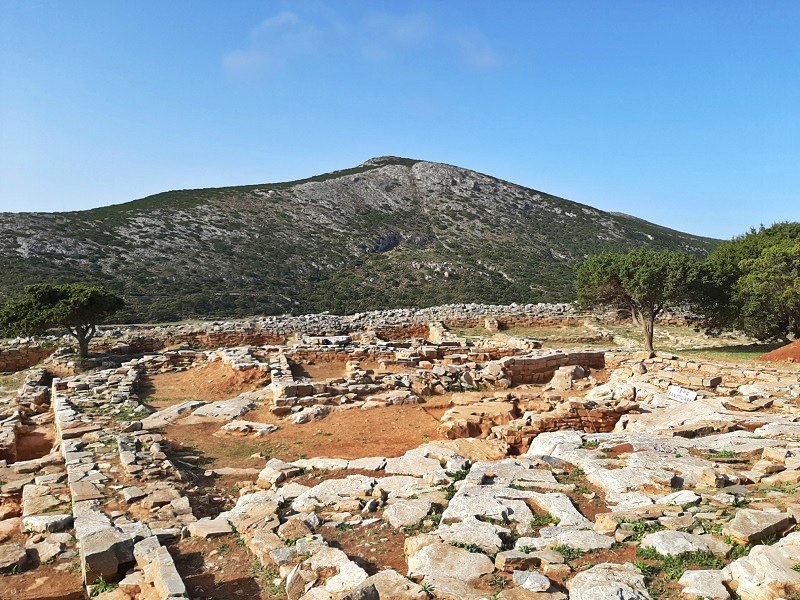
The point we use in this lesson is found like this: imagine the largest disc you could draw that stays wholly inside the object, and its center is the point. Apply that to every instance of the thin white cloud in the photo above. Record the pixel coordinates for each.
(476, 50)
(244, 61)
(272, 42)
(281, 19)
(379, 36)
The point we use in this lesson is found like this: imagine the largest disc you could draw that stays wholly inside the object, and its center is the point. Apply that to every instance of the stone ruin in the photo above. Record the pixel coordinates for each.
(556, 473)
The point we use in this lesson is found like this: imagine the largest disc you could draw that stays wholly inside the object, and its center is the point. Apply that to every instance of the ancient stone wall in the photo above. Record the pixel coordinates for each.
(17, 359)
(540, 369)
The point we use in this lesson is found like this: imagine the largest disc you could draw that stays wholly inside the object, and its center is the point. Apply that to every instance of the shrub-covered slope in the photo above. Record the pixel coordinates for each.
(392, 232)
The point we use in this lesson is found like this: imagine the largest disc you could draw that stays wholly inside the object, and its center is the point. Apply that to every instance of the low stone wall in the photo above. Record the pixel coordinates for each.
(17, 359)
(574, 415)
(697, 374)
(540, 369)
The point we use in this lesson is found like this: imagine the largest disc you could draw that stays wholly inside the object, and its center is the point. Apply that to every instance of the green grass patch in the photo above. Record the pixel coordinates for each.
(569, 552)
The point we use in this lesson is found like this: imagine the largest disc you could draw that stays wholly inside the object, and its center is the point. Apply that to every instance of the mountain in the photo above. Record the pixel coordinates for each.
(392, 232)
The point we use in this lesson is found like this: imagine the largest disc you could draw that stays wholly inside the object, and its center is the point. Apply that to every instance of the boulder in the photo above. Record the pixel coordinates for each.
(704, 584)
(751, 526)
(391, 585)
(767, 572)
(206, 528)
(450, 570)
(609, 581)
(675, 543)
(407, 513)
(531, 581)
(12, 556)
(104, 552)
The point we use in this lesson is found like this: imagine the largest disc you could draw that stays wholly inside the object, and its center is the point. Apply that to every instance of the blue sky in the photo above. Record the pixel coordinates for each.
(683, 113)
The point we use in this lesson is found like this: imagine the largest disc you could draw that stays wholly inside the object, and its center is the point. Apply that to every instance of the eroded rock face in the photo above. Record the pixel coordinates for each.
(450, 570)
(12, 556)
(675, 543)
(704, 584)
(609, 581)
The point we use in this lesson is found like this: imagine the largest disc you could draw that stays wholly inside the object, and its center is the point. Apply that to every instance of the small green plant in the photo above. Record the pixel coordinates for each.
(450, 492)
(784, 488)
(674, 566)
(457, 475)
(428, 589)
(467, 547)
(568, 552)
(590, 444)
(708, 526)
(737, 550)
(641, 527)
(266, 576)
(223, 549)
(240, 541)
(722, 454)
(499, 582)
(101, 586)
(543, 520)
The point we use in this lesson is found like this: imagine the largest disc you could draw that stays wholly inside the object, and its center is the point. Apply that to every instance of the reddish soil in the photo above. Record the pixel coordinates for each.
(47, 582)
(321, 370)
(354, 433)
(373, 547)
(35, 444)
(788, 353)
(230, 573)
(211, 381)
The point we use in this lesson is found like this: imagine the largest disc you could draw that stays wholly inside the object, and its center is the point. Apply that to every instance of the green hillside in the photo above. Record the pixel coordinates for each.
(392, 232)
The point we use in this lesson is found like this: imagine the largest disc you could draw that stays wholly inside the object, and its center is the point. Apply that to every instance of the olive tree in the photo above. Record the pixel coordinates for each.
(641, 282)
(76, 307)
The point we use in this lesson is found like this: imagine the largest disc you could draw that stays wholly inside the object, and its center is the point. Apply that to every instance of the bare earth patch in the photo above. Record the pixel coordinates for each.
(210, 381)
(348, 434)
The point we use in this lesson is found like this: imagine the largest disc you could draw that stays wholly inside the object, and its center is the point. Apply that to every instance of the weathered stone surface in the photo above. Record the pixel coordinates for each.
(531, 581)
(348, 574)
(225, 410)
(294, 528)
(43, 523)
(407, 513)
(9, 527)
(161, 572)
(586, 540)
(171, 414)
(103, 552)
(332, 491)
(471, 531)
(12, 556)
(132, 493)
(37, 500)
(450, 570)
(514, 560)
(608, 581)
(248, 427)
(411, 464)
(673, 543)
(391, 585)
(370, 463)
(704, 584)
(205, 528)
(494, 502)
(46, 550)
(750, 526)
